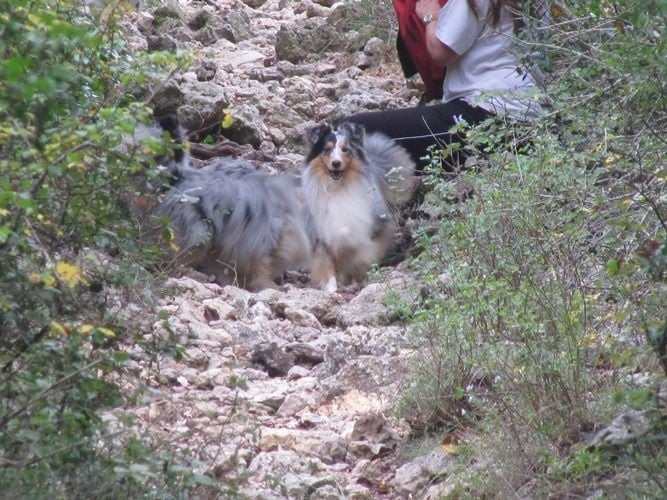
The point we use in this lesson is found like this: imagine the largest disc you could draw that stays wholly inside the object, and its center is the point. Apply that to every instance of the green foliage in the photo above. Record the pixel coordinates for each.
(509, 291)
(548, 287)
(66, 108)
(376, 18)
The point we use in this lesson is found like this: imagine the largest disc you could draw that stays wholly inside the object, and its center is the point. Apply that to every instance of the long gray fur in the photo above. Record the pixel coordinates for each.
(229, 219)
(394, 162)
(237, 222)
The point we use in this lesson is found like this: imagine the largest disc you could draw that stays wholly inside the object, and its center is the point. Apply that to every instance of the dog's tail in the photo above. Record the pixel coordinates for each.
(395, 163)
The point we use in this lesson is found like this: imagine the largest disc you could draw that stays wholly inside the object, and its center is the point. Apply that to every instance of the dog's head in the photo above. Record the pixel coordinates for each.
(176, 142)
(158, 156)
(164, 142)
(338, 153)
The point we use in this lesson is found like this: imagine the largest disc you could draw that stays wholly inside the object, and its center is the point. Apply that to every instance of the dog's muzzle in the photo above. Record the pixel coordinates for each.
(335, 172)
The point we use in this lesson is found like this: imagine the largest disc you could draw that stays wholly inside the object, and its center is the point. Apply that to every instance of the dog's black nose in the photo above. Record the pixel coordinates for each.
(336, 164)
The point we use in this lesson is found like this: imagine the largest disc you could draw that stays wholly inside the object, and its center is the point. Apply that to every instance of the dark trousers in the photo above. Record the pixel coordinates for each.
(420, 127)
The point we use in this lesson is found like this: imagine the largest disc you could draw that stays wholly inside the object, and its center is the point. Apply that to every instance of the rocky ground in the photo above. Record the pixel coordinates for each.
(285, 393)
(278, 67)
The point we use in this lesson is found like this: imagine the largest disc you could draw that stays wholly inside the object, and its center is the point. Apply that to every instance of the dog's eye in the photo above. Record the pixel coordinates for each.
(327, 151)
(345, 150)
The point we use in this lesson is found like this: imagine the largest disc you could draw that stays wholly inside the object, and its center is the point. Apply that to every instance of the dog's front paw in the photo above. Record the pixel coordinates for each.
(331, 285)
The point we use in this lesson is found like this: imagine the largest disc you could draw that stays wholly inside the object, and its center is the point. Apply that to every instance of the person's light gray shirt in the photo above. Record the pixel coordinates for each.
(487, 73)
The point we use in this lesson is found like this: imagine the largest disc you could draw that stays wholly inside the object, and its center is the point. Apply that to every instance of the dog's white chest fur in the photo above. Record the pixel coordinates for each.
(344, 216)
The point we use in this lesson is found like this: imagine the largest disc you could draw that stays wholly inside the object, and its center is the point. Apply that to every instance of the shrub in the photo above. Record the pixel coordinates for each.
(64, 110)
(547, 284)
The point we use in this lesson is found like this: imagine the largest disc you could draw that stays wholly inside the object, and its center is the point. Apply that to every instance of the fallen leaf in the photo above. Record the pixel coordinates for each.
(59, 328)
(106, 332)
(85, 329)
(450, 444)
(69, 274)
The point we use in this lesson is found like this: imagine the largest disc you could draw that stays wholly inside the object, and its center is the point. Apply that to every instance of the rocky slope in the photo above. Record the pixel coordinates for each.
(277, 68)
(285, 393)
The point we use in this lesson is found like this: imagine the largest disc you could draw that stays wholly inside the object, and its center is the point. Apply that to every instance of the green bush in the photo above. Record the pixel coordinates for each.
(65, 108)
(549, 285)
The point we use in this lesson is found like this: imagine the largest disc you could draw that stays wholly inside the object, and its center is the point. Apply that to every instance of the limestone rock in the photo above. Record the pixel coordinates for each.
(417, 473)
(246, 127)
(204, 104)
(276, 361)
(255, 4)
(624, 429)
(232, 24)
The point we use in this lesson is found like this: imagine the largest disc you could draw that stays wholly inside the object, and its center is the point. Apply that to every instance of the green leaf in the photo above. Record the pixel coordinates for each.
(203, 479)
(15, 68)
(121, 357)
(5, 231)
(227, 121)
(612, 267)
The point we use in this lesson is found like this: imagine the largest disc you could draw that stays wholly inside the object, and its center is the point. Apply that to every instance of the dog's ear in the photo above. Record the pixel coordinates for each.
(315, 133)
(169, 123)
(355, 131)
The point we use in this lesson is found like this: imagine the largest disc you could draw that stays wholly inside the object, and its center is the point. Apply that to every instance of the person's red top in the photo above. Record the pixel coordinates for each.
(412, 33)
